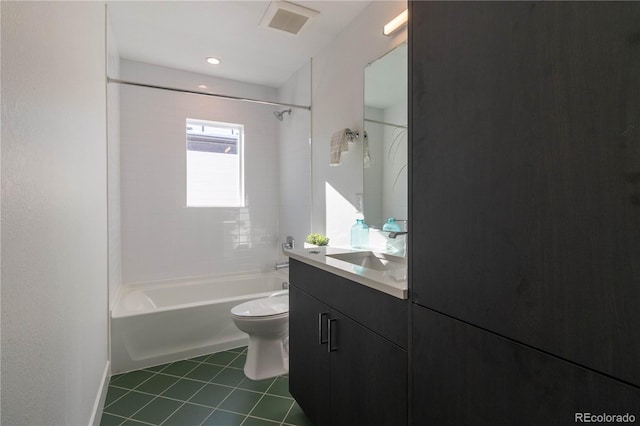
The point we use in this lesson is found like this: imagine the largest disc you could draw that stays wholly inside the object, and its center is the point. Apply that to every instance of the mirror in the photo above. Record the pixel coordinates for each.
(385, 122)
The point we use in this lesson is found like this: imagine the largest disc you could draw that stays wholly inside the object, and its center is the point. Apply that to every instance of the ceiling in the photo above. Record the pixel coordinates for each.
(181, 34)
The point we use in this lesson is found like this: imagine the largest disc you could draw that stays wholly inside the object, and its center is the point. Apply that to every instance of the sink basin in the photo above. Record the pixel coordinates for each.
(372, 260)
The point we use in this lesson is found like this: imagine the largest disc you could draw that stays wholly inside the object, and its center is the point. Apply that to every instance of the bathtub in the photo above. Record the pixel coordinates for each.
(159, 322)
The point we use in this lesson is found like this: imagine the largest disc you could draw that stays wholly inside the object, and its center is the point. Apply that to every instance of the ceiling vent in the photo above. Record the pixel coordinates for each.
(285, 16)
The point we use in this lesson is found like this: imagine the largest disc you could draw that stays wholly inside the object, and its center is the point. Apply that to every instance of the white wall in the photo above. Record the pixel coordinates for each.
(54, 212)
(161, 237)
(295, 158)
(113, 152)
(338, 82)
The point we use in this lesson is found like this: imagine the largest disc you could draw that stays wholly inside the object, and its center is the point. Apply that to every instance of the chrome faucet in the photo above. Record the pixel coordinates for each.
(282, 265)
(290, 244)
(395, 234)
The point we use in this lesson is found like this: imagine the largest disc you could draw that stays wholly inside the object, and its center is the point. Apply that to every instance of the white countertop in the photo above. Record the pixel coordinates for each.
(392, 282)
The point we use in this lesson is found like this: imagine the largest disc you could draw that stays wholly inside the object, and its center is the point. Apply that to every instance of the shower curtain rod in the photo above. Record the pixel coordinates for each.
(215, 95)
(401, 126)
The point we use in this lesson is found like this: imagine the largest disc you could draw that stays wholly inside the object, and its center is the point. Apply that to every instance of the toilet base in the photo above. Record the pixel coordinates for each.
(267, 357)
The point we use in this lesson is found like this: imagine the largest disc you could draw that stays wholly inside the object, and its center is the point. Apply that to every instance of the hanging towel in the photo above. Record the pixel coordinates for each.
(365, 149)
(339, 143)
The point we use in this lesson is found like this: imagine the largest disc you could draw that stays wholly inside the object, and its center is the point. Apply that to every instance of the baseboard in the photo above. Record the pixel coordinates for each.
(98, 406)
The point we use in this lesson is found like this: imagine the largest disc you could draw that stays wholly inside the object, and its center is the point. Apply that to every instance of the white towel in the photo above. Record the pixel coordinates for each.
(365, 150)
(339, 143)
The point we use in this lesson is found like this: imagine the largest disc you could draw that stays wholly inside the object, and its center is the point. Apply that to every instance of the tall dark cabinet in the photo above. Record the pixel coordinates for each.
(525, 211)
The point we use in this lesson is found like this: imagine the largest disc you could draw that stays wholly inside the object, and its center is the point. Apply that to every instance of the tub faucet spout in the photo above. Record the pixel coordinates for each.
(282, 265)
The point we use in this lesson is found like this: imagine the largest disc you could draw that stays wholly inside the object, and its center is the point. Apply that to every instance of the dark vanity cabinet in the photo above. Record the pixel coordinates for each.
(525, 211)
(347, 350)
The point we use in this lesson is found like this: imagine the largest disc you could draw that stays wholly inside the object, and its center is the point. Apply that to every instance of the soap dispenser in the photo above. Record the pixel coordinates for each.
(360, 235)
(391, 226)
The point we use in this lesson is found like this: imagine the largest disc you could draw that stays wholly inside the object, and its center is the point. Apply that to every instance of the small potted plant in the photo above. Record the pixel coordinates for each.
(316, 240)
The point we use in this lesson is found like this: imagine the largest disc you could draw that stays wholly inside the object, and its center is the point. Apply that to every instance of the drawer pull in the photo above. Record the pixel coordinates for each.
(321, 340)
(330, 339)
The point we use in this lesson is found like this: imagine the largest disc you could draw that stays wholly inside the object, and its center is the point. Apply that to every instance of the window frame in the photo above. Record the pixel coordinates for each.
(240, 153)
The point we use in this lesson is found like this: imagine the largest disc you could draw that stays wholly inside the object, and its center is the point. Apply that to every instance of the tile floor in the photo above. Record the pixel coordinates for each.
(207, 390)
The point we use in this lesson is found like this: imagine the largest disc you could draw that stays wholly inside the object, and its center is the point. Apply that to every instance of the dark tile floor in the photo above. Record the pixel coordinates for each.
(207, 390)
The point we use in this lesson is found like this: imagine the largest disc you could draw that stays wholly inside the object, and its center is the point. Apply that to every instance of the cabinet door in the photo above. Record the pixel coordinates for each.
(308, 358)
(368, 376)
(463, 375)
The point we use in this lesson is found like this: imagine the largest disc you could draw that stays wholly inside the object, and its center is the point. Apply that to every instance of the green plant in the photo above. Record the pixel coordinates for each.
(317, 239)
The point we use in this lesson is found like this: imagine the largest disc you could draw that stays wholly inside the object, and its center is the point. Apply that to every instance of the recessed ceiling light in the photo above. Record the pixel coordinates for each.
(202, 86)
(213, 61)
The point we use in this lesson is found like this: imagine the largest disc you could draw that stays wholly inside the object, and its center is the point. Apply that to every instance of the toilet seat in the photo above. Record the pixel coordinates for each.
(272, 307)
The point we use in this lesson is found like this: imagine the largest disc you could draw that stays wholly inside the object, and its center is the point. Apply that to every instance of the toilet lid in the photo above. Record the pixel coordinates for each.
(262, 307)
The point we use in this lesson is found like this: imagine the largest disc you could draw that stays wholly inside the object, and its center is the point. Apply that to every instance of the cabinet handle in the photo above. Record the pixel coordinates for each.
(330, 347)
(321, 316)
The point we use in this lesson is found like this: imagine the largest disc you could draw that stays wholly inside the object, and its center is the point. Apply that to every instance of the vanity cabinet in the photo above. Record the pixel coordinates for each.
(346, 366)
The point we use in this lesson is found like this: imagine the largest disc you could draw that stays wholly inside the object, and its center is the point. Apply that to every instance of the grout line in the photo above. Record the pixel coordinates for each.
(210, 414)
(204, 383)
(174, 411)
(208, 406)
(157, 395)
(261, 398)
(124, 419)
(139, 421)
(233, 389)
(117, 399)
(288, 412)
(252, 408)
(141, 408)
(262, 418)
(131, 390)
(196, 392)
(181, 377)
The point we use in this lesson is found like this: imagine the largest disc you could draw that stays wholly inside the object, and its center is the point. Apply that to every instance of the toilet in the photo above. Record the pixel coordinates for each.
(266, 321)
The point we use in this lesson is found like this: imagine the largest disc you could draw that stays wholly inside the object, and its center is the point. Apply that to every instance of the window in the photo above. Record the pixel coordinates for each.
(215, 176)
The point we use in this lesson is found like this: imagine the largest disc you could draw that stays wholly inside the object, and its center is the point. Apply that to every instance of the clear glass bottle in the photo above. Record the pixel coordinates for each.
(392, 226)
(360, 235)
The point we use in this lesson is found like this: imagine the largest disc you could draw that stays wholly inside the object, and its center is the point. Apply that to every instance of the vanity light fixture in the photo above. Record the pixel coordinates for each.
(213, 61)
(396, 23)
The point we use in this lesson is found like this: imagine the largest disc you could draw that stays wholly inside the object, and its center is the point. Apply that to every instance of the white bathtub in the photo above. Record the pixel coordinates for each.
(160, 322)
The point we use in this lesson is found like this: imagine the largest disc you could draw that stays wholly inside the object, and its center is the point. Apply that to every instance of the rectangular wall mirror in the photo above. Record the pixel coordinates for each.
(385, 122)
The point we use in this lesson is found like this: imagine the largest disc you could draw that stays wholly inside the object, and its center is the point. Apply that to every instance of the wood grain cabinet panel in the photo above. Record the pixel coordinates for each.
(463, 375)
(341, 372)
(525, 173)
(309, 368)
(383, 314)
